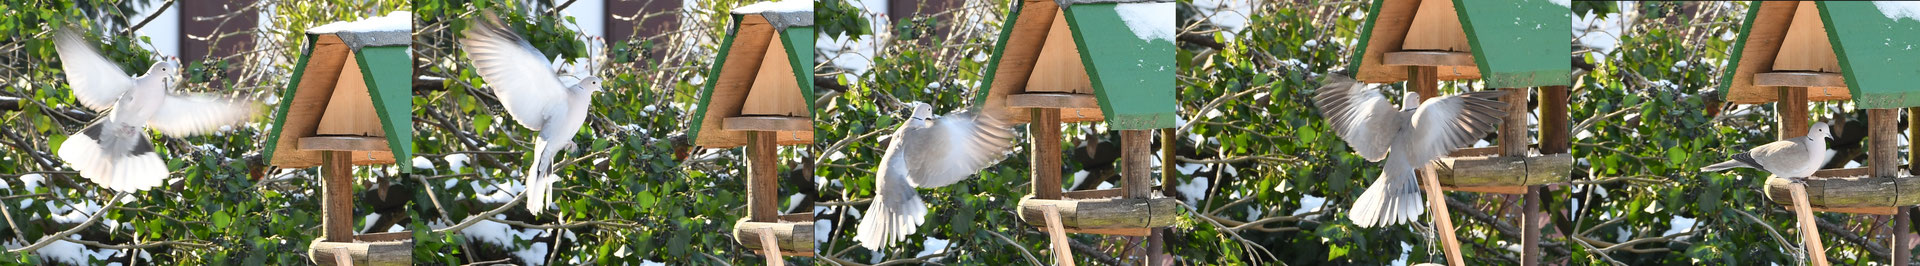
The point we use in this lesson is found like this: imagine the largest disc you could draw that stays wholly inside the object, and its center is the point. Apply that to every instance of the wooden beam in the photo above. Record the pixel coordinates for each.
(1045, 131)
(1495, 171)
(337, 217)
(1057, 235)
(383, 253)
(1052, 100)
(763, 186)
(1879, 192)
(1800, 79)
(790, 238)
(1429, 58)
(1107, 213)
(1883, 140)
(344, 143)
(1555, 134)
(1903, 217)
(1793, 112)
(768, 123)
(1135, 162)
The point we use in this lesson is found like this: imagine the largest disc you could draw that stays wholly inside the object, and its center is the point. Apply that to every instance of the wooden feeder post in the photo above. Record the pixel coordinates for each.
(758, 95)
(1791, 53)
(1045, 73)
(1424, 42)
(349, 104)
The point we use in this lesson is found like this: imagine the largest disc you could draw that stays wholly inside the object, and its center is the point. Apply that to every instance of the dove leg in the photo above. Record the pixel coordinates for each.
(763, 188)
(336, 170)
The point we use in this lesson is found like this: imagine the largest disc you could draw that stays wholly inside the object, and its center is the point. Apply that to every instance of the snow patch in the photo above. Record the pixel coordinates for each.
(1899, 10)
(396, 21)
(1194, 190)
(781, 6)
(1149, 21)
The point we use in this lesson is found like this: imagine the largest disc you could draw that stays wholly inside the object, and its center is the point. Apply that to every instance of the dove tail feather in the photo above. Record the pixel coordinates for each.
(1393, 199)
(540, 176)
(1723, 166)
(108, 155)
(881, 226)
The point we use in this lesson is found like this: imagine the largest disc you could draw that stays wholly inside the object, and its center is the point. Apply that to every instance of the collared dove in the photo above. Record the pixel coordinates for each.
(525, 82)
(114, 151)
(928, 152)
(1790, 158)
(1406, 139)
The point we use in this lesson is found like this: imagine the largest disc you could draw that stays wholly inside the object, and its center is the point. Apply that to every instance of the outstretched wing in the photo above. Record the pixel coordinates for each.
(182, 115)
(1360, 115)
(96, 81)
(956, 146)
(519, 75)
(1444, 124)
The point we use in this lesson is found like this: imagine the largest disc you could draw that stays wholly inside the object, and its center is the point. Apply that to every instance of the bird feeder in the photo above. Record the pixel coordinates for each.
(1790, 53)
(349, 104)
(757, 96)
(1075, 61)
(1511, 45)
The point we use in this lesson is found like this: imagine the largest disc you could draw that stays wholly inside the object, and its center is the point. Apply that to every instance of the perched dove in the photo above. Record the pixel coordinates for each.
(525, 82)
(1790, 158)
(928, 152)
(114, 151)
(1414, 135)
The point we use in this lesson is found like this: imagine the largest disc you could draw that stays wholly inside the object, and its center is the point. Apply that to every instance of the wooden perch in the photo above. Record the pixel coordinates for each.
(1107, 216)
(396, 252)
(795, 238)
(1862, 195)
(1474, 173)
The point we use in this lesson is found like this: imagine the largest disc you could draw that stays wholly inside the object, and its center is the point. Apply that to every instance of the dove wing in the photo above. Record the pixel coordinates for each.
(1444, 124)
(1360, 115)
(96, 81)
(955, 147)
(519, 75)
(182, 115)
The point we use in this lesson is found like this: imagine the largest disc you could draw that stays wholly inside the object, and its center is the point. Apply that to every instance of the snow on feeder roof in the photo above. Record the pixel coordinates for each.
(363, 104)
(762, 80)
(1835, 49)
(1509, 44)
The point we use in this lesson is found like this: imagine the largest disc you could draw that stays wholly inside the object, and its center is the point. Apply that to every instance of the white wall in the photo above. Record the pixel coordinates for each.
(164, 30)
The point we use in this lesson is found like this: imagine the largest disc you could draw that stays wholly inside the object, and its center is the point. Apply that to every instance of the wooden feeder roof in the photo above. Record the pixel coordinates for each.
(351, 83)
(1837, 49)
(1087, 61)
(755, 87)
(1511, 44)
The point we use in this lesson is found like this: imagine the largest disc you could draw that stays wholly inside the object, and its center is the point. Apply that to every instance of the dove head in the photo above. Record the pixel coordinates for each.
(1410, 101)
(1820, 131)
(922, 115)
(589, 84)
(163, 68)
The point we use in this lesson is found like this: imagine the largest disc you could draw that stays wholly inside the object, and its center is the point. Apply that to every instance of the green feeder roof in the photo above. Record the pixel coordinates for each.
(1099, 60)
(352, 80)
(1838, 50)
(1512, 44)
(754, 87)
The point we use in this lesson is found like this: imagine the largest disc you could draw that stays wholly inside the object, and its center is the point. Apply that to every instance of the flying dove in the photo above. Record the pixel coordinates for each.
(114, 151)
(1790, 158)
(525, 82)
(928, 152)
(1406, 139)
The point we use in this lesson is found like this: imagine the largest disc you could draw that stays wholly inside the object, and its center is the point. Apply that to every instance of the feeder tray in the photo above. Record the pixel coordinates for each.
(1482, 170)
(1102, 212)
(395, 248)
(793, 232)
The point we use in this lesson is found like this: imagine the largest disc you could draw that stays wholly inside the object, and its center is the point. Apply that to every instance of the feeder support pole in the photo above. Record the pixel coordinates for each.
(1902, 219)
(1882, 156)
(762, 186)
(1793, 112)
(1045, 131)
(336, 169)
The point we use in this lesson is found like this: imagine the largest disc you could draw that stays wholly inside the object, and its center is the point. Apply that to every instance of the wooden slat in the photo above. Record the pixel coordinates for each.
(385, 237)
(768, 123)
(1442, 220)
(1052, 100)
(1883, 139)
(769, 248)
(1809, 234)
(1134, 160)
(1800, 79)
(1429, 58)
(1045, 133)
(1555, 135)
(344, 143)
(1057, 236)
